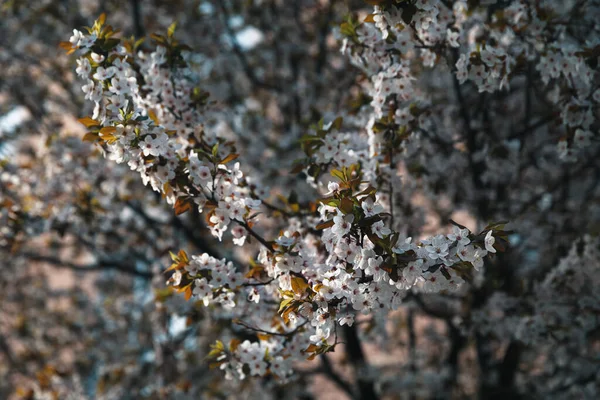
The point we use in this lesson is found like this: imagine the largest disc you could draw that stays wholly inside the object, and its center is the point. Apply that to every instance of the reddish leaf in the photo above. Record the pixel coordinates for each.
(229, 158)
(188, 293)
(182, 206)
(88, 122)
(90, 137)
(324, 225)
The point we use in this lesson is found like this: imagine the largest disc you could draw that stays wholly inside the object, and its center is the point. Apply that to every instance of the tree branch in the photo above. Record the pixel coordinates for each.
(333, 376)
(102, 265)
(357, 358)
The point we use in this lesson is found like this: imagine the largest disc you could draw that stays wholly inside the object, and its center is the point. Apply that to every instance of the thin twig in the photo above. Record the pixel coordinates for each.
(284, 334)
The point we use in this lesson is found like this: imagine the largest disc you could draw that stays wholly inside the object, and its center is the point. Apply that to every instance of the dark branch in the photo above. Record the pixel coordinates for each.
(357, 359)
(102, 265)
(333, 376)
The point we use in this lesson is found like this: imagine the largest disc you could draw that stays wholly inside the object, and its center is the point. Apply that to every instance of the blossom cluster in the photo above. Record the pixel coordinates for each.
(177, 156)
(490, 48)
(560, 314)
(345, 257)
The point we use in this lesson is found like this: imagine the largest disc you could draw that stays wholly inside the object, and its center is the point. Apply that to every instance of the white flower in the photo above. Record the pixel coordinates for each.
(253, 204)
(280, 366)
(478, 258)
(328, 149)
(97, 58)
(466, 253)
(254, 295)
(332, 187)
(346, 319)
(438, 247)
(403, 246)
(176, 278)
(220, 278)
(582, 138)
(346, 251)
(150, 146)
(237, 210)
(285, 240)
(374, 269)
(412, 271)
(425, 4)
(362, 259)
(460, 235)
(204, 173)
(452, 38)
(83, 68)
(236, 173)
(119, 85)
(87, 41)
(405, 42)
(380, 229)
(76, 38)
(403, 116)
(258, 368)
(201, 288)
(342, 224)
(204, 261)
(477, 74)
(462, 73)
(489, 242)
(164, 173)
(104, 73)
(88, 89)
(220, 218)
(239, 235)
(488, 56)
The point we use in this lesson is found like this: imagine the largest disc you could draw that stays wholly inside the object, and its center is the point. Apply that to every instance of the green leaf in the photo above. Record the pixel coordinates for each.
(346, 205)
(338, 174)
(333, 203)
(309, 138)
(110, 44)
(337, 123)
(217, 349)
(171, 30)
(158, 38)
(284, 303)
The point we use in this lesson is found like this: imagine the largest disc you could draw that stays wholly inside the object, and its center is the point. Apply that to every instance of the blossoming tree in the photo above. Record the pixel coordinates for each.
(479, 112)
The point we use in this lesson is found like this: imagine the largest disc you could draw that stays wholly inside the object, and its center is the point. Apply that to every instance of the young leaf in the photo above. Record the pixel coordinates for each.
(90, 137)
(188, 292)
(325, 225)
(88, 122)
(299, 285)
(229, 158)
(153, 117)
(107, 130)
(182, 206)
(171, 30)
